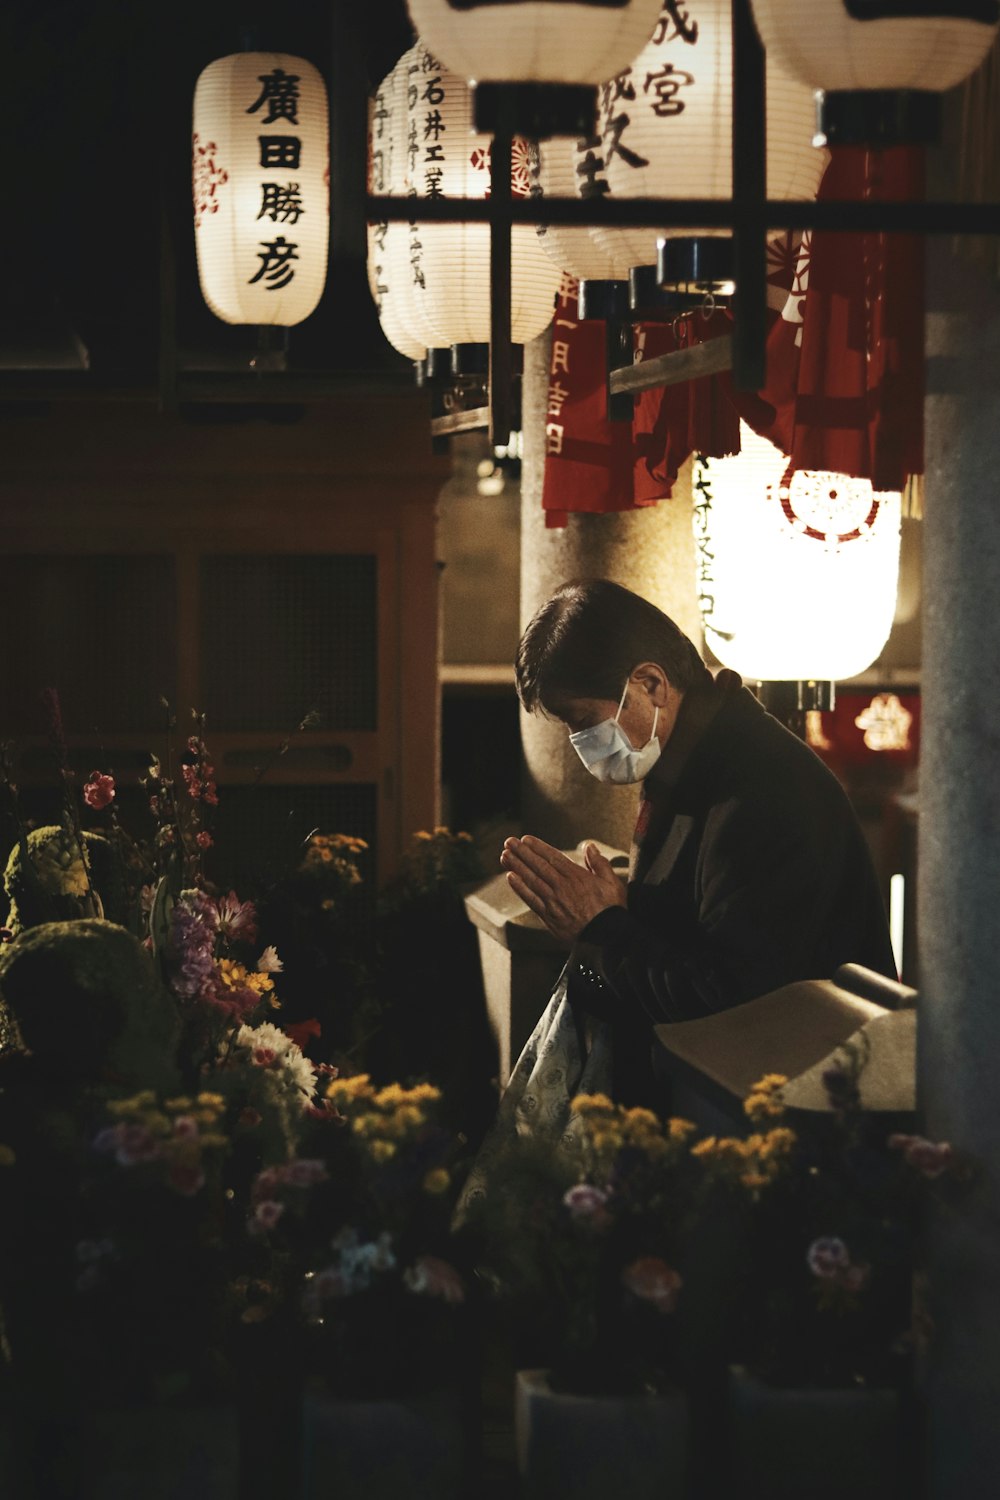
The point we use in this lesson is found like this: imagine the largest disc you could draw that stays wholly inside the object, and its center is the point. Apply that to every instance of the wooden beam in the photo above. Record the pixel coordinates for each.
(709, 358)
(460, 421)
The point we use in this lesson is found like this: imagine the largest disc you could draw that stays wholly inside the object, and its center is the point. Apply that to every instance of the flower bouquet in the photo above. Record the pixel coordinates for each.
(827, 1284)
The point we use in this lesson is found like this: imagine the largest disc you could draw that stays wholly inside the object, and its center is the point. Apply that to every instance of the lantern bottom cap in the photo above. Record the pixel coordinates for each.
(805, 696)
(696, 264)
(602, 298)
(536, 110)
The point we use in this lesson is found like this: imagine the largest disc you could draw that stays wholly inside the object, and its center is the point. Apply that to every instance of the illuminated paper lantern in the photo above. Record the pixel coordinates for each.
(387, 239)
(449, 264)
(797, 572)
(877, 44)
(549, 41)
(665, 124)
(560, 170)
(261, 187)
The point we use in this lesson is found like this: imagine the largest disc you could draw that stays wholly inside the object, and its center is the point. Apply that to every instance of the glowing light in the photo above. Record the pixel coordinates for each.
(797, 571)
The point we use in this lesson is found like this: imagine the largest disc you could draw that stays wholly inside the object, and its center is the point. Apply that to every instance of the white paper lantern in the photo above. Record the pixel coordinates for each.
(797, 573)
(450, 262)
(871, 44)
(261, 187)
(386, 239)
(666, 126)
(551, 41)
(561, 171)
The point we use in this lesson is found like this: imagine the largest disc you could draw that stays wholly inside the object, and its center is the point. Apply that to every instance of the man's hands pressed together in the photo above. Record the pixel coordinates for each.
(566, 895)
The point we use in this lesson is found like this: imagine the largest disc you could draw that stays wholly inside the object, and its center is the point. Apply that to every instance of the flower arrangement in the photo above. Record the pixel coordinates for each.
(352, 1243)
(831, 1254)
(589, 1244)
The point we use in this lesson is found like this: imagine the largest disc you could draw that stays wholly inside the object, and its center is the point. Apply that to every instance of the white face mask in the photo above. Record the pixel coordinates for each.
(609, 754)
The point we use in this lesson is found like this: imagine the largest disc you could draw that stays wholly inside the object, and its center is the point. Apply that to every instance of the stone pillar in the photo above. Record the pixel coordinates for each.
(959, 864)
(650, 551)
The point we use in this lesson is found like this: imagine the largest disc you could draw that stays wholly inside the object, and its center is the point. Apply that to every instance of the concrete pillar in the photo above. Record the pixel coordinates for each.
(959, 864)
(650, 551)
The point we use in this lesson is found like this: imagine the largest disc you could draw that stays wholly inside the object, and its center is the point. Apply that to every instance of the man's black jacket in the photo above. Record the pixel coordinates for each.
(750, 870)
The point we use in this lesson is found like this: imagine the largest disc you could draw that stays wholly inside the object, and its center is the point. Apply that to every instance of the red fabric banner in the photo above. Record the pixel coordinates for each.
(845, 366)
(845, 361)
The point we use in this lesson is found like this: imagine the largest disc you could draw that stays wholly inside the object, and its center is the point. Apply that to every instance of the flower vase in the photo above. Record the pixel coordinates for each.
(161, 1453)
(826, 1444)
(410, 1448)
(594, 1446)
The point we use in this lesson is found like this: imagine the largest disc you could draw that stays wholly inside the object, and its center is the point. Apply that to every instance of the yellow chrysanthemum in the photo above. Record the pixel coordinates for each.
(178, 1105)
(590, 1103)
(754, 1180)
(346, 1090)
(7, 1158)
(679, 1129)
(437, 1181)
(423, 1093)
(134, 1105)
(381, 1150)
(638, 1117)
(209, 1100)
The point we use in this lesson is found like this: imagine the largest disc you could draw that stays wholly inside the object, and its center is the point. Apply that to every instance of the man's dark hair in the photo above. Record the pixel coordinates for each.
(586, 639)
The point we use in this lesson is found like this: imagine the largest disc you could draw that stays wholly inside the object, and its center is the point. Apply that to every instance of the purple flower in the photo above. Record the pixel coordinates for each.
(130, 1143)
(192, 943)
(828, 1258)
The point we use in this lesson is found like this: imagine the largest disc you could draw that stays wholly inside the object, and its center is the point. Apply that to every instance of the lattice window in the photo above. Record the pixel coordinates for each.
(100, 628)
(311, 619)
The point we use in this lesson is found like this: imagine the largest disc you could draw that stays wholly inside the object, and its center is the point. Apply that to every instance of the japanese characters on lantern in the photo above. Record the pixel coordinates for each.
(387, 241)
(797, 572)
(260, 181)
(443, 273)
(665, 127)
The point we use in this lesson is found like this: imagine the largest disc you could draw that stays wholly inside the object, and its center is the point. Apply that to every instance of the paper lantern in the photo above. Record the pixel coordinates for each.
(261, 187)
(550, 41)
(797, 572)
(560, 170)
(449, 263)
(877, 44)
(387, 239)
(666, 131)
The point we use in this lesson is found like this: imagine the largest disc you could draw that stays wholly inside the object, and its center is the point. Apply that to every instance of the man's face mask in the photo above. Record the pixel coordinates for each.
(609, 754)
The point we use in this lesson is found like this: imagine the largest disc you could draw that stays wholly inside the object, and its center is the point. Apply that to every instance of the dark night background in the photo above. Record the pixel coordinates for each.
(97, 246)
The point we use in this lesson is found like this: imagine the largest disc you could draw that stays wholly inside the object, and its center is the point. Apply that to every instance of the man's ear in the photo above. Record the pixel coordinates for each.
(651, 677)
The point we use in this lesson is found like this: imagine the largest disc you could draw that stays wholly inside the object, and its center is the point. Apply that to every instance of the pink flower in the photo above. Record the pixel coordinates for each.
(99, 790)
(588, 1203)
(185, 1128)
(431, 1277)
(131, 1144)
(305, 1171)
(654, 1281)
(266, 1215)
(930, 1158)
(203, 840)
(237, 920)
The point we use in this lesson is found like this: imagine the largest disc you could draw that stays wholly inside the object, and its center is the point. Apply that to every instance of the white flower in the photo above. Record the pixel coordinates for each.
(269, 962)
(293, 1070)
